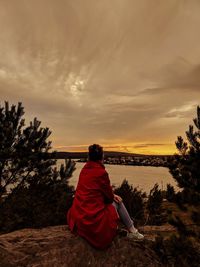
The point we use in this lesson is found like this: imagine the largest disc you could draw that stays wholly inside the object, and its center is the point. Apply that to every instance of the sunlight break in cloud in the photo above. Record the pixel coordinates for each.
(111, 72)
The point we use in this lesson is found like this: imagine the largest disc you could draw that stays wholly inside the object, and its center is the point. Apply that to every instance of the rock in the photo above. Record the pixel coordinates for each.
(151, 231)
(56, 246)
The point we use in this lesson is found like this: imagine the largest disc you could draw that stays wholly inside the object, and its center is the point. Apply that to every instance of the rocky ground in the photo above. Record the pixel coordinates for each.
(56, 247)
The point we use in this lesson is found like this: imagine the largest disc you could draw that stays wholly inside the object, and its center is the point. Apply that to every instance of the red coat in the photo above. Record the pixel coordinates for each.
(92, 215)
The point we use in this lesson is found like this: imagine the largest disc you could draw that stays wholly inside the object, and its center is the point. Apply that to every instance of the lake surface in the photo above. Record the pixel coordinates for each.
(143, 177)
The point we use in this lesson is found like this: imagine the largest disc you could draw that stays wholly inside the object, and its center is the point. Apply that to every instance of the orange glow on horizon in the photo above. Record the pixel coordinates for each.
(138, 148)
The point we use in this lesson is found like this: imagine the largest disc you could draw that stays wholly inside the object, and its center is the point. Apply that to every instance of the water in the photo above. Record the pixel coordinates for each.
(143, 177)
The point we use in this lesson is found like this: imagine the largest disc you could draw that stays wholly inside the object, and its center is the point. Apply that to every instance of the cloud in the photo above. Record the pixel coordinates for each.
(148, 145)
(182, 111)
(113, 72)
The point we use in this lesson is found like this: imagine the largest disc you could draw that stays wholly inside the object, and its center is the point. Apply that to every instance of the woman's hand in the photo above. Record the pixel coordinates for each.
(117, 198)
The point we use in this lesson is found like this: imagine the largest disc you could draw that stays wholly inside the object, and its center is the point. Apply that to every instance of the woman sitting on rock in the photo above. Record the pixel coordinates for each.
(96, 210)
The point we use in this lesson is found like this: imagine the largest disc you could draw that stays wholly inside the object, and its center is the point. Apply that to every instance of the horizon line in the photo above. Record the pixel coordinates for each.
(124, 152)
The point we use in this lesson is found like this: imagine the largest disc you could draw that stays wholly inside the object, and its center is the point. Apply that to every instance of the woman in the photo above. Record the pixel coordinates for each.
(96, 210)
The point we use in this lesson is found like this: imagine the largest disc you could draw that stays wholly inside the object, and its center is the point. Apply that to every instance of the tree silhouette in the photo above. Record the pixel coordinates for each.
(185, 166)
(33, 192)
(133, 200)
(156, 213)
(170, 193)
(24, 156)
(182, 249)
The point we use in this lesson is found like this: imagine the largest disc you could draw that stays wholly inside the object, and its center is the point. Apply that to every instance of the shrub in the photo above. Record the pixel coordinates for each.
(133, 200)
(170, 193)
(156, 214)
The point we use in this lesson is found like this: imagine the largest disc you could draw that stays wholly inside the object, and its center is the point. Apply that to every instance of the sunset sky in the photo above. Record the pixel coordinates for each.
(122, 73)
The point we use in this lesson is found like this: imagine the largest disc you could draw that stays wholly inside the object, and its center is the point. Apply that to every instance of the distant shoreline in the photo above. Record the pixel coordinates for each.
(107, 154)
(121, 158)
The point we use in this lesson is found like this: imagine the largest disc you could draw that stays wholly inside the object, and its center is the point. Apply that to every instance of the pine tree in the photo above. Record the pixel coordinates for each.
(185, 168)
(33, 192)
(170, 193)
(156, 213)
(183, 248)
(24, 156)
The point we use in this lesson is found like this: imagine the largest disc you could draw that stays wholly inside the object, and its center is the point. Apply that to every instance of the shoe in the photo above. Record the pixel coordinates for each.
(136, 235)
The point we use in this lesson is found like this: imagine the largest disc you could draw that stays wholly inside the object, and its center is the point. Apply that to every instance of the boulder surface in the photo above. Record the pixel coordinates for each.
(56, 246)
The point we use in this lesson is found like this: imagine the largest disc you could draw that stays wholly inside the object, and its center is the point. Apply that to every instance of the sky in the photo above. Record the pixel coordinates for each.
(121, 73)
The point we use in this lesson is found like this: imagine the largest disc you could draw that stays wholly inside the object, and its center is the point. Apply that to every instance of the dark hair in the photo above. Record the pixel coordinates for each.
(95, 152)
